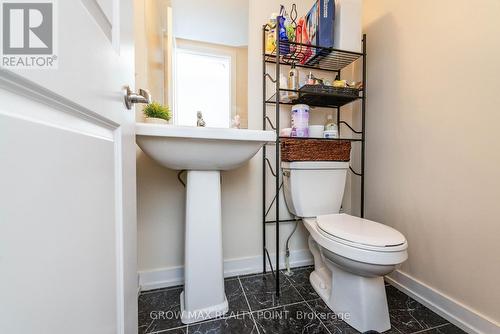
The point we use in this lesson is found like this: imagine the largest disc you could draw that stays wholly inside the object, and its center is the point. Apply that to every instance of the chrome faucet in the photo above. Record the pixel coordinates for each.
(200, 122)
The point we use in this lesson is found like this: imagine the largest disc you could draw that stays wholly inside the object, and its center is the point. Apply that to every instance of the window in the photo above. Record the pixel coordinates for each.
(202, 83)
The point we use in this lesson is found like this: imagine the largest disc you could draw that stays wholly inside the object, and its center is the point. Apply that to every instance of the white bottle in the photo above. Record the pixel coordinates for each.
(293, 83)
(330, 125)
(331, 129)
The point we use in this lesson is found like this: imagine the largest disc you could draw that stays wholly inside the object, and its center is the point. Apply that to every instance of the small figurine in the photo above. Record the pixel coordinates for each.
(236, 122)
(200, 122)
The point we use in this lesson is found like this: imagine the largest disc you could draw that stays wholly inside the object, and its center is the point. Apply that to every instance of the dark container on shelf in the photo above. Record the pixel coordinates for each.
(319, 95)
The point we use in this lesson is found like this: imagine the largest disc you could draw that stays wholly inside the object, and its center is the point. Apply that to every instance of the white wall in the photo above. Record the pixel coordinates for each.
(433, 151)
(216, 21)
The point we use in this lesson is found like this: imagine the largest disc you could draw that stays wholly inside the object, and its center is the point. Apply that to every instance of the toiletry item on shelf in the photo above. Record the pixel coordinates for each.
(310, 79)
(282, 33)
(293, 83)
(290, 30)
(316, 131)
(329, 124)
(284, 95)
(355, 85)
(271, 34)
(347, 30)
(286, 132)
(300, 120)
(340, 83)
(329, 134)
(312, 25)
(303, 51)
(318, 81)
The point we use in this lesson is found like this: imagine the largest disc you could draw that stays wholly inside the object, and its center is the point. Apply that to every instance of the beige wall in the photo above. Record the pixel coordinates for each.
(433, 151)
(161, 197)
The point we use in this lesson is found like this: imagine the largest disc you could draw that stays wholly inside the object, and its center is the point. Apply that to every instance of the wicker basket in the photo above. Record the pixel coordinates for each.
(315, 150)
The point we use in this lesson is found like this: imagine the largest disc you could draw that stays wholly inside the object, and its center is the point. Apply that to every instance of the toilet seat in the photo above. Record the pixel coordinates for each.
(358, 232)
(358, 252)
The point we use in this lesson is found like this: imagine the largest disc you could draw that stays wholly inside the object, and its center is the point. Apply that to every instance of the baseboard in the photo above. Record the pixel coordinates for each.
(450, 309)
(166, 277)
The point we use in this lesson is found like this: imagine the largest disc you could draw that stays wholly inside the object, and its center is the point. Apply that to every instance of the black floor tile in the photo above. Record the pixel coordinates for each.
(397, 300)
(333, 322)
(241, 324)
(235, 297)
(446, 329)
(290, 319)
(159, 310)
(417, 318)
(300, 280)
(260, 292)
(408, 315)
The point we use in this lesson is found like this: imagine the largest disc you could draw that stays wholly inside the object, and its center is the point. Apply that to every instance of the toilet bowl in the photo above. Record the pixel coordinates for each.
(351, 254)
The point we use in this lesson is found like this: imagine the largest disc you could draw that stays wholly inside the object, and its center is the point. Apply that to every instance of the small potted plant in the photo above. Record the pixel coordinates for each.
(157, 113)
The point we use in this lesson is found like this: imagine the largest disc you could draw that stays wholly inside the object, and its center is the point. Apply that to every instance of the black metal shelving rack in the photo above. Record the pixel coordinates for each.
(330, 60)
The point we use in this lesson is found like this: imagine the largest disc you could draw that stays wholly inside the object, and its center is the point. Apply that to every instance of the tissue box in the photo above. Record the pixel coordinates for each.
(320, 22)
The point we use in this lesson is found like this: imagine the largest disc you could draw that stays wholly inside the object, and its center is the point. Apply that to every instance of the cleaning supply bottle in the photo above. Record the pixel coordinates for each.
(271, 34)
(283, 36)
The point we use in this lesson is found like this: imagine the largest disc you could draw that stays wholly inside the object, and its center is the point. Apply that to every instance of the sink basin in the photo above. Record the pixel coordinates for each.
(196, 148)
(203, 152)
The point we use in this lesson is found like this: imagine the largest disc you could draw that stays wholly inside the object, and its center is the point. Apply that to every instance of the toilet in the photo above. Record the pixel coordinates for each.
(351, 254)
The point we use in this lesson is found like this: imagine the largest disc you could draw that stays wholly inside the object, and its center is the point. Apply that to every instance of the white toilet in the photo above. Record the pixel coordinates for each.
(351, 254)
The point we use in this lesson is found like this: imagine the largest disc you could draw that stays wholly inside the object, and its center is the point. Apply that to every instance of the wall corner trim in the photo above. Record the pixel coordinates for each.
(455, 312)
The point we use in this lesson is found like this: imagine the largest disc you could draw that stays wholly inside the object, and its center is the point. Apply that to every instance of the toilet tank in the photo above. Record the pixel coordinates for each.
(314, 188)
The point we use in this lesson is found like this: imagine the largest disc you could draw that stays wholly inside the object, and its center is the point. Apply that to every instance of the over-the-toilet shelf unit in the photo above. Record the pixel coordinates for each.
(334, 60)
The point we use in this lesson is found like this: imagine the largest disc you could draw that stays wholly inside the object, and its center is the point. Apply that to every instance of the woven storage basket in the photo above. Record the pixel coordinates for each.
(315, 150)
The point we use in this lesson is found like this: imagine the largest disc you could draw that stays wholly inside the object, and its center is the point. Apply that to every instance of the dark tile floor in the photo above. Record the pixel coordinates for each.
(254, 308)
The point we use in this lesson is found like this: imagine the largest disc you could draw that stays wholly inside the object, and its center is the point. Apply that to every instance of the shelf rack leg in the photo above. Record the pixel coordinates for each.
(277, 203)
(363, 107)
(264, 116)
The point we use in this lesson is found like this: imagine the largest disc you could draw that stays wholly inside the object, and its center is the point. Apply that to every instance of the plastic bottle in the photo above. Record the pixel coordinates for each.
(283, 36)
(331, 129)
(330, 125)
(300, 120)
(271, 34)
(293, 82)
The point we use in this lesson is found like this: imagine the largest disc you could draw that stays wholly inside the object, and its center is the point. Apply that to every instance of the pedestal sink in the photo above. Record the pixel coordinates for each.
(203, 152)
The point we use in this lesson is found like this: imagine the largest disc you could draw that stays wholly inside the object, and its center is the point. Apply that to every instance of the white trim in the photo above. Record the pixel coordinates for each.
(166, 277)
(18, 85)
(455, 312)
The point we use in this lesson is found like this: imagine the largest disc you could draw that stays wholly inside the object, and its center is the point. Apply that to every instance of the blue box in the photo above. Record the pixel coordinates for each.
(320, 22)
(326, 22)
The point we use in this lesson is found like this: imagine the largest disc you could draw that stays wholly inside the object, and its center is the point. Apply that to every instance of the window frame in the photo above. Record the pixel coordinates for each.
(208, 50)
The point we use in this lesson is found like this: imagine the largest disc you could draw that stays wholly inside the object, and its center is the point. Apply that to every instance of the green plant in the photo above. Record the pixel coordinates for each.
(157, 110)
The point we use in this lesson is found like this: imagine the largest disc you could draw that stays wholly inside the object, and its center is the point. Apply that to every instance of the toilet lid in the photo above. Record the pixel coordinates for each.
(360, 231)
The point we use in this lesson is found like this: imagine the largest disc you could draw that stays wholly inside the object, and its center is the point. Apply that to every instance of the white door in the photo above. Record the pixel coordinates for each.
(67, 180)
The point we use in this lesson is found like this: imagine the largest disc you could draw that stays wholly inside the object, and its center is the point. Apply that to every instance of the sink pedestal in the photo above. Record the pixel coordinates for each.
(203, 296)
